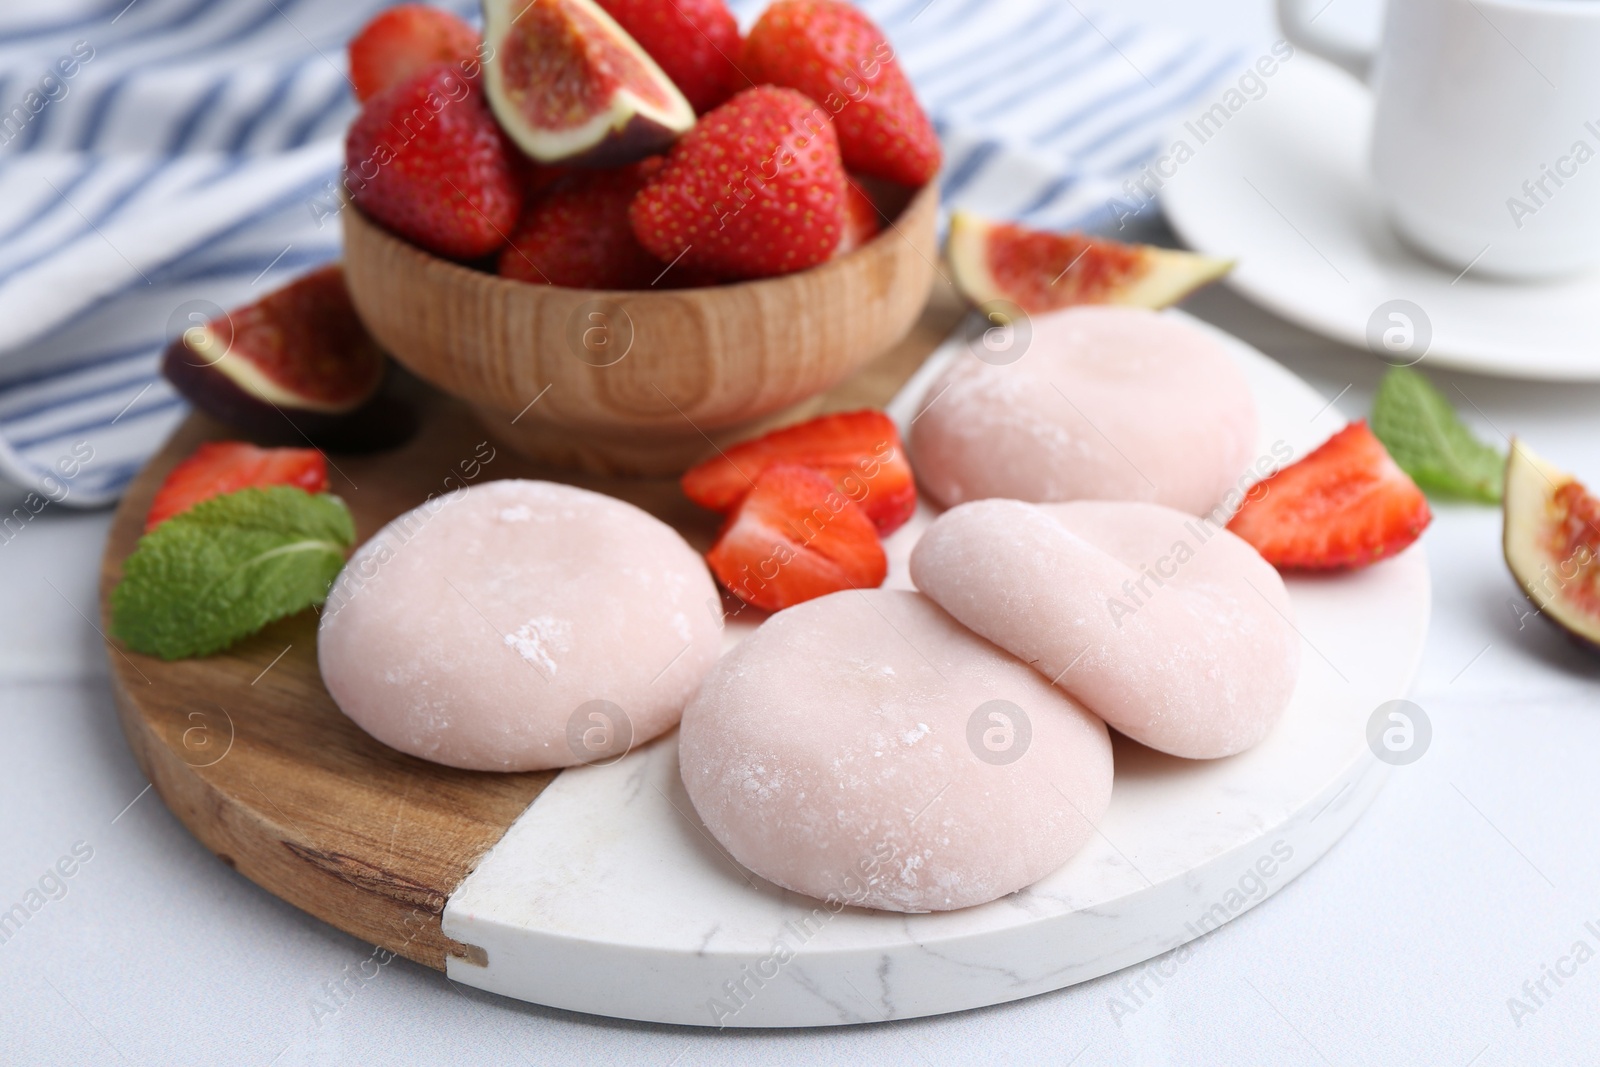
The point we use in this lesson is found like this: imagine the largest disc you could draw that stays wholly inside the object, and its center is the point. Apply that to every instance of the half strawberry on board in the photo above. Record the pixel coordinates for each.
(219, 467)
(858, 452)
(1345, 505)
(806, 506)
(793, 538)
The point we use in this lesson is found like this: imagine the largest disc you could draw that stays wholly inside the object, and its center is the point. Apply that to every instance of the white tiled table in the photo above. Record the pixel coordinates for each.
(1476, 868)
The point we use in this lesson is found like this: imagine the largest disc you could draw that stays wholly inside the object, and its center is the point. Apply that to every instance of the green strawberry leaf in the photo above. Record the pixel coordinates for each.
(228, 566)
(1430, 442)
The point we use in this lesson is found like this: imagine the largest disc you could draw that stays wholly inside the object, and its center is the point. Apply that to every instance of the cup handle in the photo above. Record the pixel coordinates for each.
(1298, 28)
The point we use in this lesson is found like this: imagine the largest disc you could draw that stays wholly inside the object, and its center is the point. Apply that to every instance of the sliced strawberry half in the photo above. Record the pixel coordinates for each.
(219, 467)
(794, 538)
(1345, 505)
(859, 452)
(403, 41)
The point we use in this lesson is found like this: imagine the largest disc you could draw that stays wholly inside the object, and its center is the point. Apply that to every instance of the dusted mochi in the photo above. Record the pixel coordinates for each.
(849, 749)
(479, 629)
(1170, 628)
(1106, 403)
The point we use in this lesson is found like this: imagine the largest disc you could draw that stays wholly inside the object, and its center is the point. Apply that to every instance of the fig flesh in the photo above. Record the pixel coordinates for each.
(1552, 544)
(1041, 272)
(570, 86)
(299, 360)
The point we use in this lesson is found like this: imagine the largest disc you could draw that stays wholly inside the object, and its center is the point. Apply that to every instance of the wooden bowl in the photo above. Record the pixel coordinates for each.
(643, 383)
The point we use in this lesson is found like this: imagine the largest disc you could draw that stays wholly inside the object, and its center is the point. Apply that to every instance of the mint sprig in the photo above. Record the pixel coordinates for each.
(226, 567)
(1426, 437)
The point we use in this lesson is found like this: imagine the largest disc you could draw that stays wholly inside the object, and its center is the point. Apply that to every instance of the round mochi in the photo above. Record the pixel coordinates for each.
(864, 747)
(1106, 403)
(519, 626)
(1168, 627)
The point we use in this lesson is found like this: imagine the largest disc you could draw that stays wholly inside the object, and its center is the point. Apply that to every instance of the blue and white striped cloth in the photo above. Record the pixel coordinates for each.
(160, 156)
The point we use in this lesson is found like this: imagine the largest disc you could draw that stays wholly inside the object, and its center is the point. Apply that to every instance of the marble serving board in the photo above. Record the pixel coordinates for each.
(608, 896)
(597, 889)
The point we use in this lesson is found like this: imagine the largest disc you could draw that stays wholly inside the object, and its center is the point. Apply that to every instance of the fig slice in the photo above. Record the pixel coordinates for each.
(1552, 542)
(1040, 271)
(570, 86)
(299, 354)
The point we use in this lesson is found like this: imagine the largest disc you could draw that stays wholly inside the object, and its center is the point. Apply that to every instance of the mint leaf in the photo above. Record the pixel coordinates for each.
(228, 566)
(1430, 442)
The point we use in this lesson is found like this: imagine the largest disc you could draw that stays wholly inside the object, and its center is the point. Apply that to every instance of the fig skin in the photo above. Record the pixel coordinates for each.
(1136, 275)
(640, 138)
(296, 364)
(625, 129)
(1530, 487)
(215, 393)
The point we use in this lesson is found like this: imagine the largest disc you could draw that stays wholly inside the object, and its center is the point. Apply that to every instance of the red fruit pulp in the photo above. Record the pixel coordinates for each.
(794, 538)
(307, 339)
(219, 467)
(562, 67)
(1040, 271)
(695, 42)
(859, 452)
(1575, 539)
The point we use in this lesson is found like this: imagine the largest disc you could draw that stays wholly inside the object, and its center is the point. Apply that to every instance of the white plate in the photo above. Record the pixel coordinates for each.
(1283, 188)
(608, 896)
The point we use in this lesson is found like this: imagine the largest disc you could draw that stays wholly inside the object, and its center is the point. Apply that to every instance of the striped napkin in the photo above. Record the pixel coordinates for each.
(163, 159)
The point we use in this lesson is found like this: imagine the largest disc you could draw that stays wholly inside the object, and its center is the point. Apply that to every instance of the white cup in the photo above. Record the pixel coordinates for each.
(1486, 127)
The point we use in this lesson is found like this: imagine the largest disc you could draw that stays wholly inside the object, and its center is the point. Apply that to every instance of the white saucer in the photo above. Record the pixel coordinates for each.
(1283, 188)
(608, 896)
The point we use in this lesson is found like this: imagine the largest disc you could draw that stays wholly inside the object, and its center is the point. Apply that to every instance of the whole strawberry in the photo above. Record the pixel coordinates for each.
(695, 41)
(861, 220)
(757, 188)
(426, 160)
(402, 40)
(834, 54)
(578, 235)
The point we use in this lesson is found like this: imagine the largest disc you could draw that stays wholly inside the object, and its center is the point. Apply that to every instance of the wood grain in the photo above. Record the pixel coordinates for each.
(251, 754)
(698, 362)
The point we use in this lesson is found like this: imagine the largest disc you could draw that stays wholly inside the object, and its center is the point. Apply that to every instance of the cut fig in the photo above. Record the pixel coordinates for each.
(570, 86)
(298, 362)
(1040, 272)
(1552, 541)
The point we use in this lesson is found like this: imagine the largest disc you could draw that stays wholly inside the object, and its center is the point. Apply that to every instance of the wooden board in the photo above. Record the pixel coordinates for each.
(250, 752)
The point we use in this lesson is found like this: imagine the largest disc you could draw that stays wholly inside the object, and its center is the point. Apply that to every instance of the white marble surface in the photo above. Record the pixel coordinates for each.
(608, 895)
(1472, 869)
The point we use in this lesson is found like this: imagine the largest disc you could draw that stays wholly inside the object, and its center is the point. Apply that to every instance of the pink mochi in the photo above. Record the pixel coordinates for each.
(865, 747)
(519, 626)
(1106, 403)
(1170, 628)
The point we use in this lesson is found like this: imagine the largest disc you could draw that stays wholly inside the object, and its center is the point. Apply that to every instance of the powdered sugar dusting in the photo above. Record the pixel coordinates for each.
(539, 640)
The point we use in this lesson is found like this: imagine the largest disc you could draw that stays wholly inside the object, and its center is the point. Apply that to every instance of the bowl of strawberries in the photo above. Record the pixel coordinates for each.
(621, 230)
